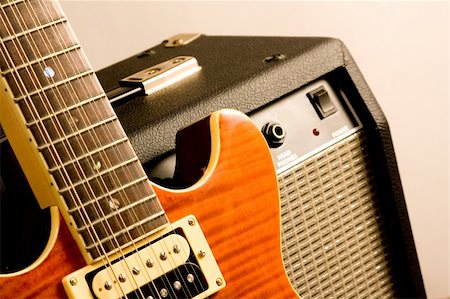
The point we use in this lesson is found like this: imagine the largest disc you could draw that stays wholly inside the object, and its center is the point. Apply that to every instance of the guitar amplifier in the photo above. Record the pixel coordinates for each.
(344, 224)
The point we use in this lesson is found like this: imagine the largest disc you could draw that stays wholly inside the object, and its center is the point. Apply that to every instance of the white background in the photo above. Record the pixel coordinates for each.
(400, 47)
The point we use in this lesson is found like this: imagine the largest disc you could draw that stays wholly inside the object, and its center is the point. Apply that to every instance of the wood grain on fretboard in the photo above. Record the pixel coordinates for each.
(102, 183)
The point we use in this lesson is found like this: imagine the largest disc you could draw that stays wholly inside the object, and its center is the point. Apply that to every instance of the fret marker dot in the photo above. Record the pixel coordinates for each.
(114, 203)
(97, 165)
(49, 72)
(73, 121)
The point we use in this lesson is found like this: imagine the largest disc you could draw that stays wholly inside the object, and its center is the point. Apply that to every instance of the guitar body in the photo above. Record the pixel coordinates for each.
(235, 202)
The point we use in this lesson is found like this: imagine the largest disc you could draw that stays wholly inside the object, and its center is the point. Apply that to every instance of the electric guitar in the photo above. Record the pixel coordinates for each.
(118, 240)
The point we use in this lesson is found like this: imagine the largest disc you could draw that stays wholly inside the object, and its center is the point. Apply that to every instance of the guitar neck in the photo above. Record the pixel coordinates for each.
(102, 191)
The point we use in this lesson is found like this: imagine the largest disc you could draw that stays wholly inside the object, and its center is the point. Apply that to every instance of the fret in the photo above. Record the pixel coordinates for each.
(90, 166)
(115, 213)
(131, 197)
(108, 201)
(117, 190)
(132, 235)
(24, 15)
(56, 84)
(126, 230)
(36, 45)
(98, 186)
(92, 196)
(89, 154)
(99, 175)
(76, 92)
(41, 59)
(76, 133)
(6, 3)
(47, 74)
(33, 30)
(65, 110)
(83, 143)
(65, 125)
(29, 48)
(101, 182)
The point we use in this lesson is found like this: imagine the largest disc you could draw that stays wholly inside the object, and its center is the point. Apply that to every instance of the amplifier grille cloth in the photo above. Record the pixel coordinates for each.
(332, 241)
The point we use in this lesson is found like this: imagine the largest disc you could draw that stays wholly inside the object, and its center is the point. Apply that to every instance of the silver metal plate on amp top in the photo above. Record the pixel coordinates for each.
(332, 236)
(162, 75)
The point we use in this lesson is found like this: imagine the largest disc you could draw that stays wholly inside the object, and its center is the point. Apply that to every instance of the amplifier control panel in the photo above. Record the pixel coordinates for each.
(305, 122)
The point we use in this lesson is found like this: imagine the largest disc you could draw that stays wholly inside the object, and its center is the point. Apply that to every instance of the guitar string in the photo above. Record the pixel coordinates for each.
(60, 95)
(181, 277)
(8, 60)
(22, 85)
(87, 89)
(98, 141)
(107, 156)
(90, 77)
(148, 238)
(34, 110)
(149, 210)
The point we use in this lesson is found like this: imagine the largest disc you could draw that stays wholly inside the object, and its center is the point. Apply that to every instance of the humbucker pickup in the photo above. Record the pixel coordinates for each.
(176, 263)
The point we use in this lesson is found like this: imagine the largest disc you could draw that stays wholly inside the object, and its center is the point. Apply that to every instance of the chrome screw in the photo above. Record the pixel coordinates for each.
(122, 277)
(136, 270)
(163, 255)
(274, 57)
(73, 281)
(178, 41)
(108, 285)
(219, 281)
(149, 263)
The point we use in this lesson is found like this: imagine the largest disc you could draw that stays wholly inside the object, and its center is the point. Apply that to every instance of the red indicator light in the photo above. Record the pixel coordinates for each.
(316, 132)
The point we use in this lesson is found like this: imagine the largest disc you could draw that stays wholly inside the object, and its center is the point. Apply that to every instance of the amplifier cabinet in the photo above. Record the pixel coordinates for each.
(345, 226)
(344, 223)
(335, 242)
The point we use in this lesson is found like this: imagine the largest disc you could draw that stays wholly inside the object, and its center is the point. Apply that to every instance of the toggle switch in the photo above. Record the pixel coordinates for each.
(322, 103)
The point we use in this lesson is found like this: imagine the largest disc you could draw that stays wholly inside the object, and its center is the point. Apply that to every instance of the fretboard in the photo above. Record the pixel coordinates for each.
(106, 192)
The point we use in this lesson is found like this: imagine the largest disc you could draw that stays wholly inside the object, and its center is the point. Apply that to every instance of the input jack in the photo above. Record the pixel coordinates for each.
(274, 134)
